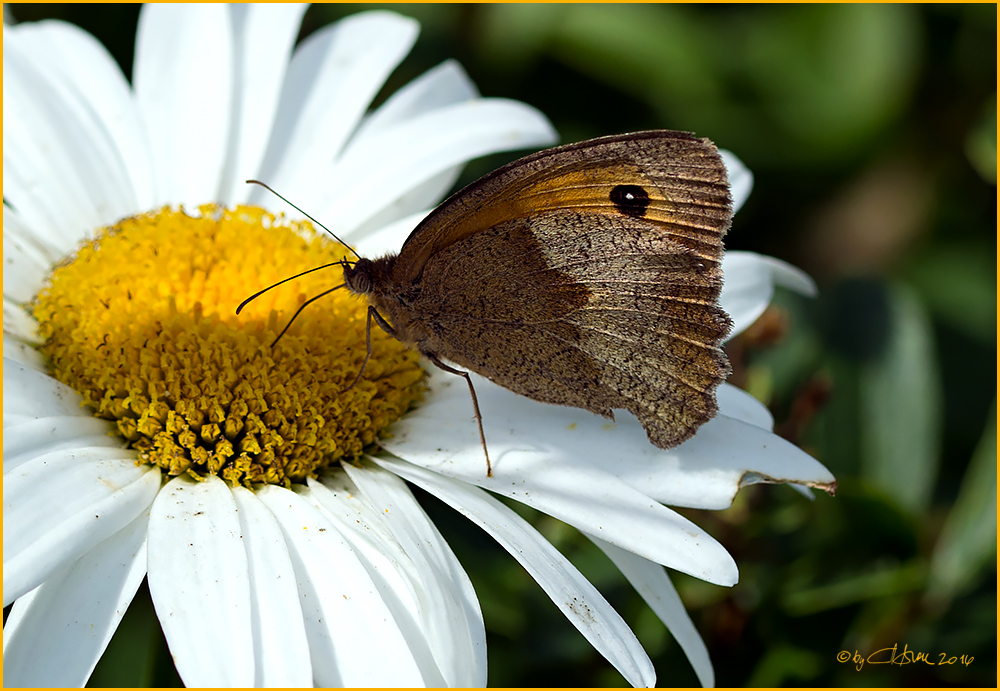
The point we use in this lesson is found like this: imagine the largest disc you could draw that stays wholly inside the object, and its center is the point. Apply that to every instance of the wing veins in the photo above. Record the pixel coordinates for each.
(480, 276)
(671, 334)
(620, 368)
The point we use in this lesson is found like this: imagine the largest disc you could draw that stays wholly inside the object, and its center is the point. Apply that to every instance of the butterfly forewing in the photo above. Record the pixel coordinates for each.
(682, 174)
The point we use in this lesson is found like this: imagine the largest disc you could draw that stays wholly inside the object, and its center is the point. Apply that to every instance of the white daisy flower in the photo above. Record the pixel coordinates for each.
(212, 465)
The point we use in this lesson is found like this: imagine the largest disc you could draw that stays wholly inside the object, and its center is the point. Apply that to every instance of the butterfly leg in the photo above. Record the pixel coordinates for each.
(475, 404)
(372, 314)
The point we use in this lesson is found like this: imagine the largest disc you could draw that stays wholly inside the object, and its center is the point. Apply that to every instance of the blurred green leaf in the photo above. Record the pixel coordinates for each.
(784, 663)
(130, 659)
(879, 581)
(651, 632)
(776, 371)
(981, 143)
(834, 74)
(968, 541)
(881, 614)
(901, 407)
(645, 50)
(834, 432)
(959, 285)
(511, 36)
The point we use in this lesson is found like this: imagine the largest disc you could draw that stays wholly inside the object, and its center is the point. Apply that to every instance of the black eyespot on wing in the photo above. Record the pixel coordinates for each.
(631, 200)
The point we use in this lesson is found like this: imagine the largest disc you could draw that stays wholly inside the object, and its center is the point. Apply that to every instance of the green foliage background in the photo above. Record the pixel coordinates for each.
(871, 132)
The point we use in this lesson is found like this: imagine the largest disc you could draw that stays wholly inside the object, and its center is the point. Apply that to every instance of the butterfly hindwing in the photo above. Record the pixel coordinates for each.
(570, 327)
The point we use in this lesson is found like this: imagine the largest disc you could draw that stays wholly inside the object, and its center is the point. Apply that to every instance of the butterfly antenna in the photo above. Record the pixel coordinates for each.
(268, 188)
(302, 307)
(261, 292)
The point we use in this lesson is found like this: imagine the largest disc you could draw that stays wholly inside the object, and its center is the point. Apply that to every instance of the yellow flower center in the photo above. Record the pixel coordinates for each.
(142, 323)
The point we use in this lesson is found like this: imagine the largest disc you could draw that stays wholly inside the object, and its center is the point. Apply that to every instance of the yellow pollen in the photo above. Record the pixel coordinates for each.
(142, 323)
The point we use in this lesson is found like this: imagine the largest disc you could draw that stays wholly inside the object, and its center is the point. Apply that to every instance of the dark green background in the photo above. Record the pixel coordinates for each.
(871, 131)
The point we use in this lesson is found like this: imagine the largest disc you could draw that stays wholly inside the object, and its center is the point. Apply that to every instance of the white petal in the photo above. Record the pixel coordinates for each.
(414, 202)
(437, 87)
(40, 436)
(90, 79)
(55, 635)
(652, 583)
(440, 86)
(25, 188)
(573, 594)
(726, 454)
(561, 461)
(450, 611)
(746, 289)
(183, 76)
(387, 165)
(29, 394)
(748, 285)
(58, 506)
(24, 268)
(17, 322)
(740, 178)
(199, 582)
(46, 149)
(393, 573)
(331, 80)
(388, 238)
(789, 276)
(737, 403)
(15, 226)
(20, 352)
(805, 491)
(264, 35)
(281, 650)
(351, 632)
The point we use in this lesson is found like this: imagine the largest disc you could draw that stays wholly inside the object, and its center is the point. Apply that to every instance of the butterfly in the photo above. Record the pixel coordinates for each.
(585, 275)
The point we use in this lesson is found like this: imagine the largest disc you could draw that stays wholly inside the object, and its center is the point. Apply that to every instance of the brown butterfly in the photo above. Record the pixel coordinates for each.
(585, 275)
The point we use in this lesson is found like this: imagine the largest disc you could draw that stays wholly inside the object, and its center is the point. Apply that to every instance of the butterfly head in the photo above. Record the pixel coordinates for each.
(368, 276)
(358, 276)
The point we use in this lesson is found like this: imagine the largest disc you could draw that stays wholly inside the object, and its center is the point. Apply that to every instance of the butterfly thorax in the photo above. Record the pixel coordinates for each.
(372, 279)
